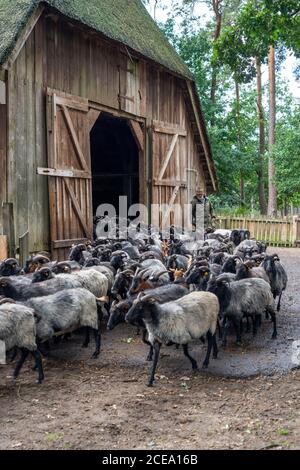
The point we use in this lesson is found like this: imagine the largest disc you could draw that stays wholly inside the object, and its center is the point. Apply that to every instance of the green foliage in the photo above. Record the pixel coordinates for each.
(258, 24)
(249, 27)
(287, 156)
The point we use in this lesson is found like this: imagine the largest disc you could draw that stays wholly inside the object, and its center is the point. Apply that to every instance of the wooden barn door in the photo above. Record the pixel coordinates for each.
(169, 174)
(69, 172)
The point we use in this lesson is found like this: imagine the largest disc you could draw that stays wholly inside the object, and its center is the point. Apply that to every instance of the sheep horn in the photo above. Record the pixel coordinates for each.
(7, 301)
(104, 299)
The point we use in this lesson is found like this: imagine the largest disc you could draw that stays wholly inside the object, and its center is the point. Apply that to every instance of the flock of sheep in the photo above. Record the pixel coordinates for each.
(175, 291)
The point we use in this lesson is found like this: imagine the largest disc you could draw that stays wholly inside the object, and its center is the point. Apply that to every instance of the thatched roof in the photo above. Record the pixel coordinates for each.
(126, 21)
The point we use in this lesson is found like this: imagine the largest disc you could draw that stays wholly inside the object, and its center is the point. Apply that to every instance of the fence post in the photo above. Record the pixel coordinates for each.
(295, 230)
(24, 248)
(9, 227)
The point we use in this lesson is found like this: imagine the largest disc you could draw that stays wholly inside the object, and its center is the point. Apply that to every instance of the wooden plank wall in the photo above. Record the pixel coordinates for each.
(3, 111)
(60, 56)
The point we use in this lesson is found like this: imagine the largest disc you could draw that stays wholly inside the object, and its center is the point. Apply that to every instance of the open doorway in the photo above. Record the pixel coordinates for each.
(115, 162)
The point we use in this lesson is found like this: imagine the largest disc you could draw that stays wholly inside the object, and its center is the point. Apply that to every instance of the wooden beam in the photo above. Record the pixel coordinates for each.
(114, 112)
(56, 244)
(167, 157)
(23, 37)
(63, 173)
(201, 132)
(74, 138)
(162, 128)
(181, 184)
(77, 207)
(24, 248)
(137, 134)
(66, 99)
(171, 202)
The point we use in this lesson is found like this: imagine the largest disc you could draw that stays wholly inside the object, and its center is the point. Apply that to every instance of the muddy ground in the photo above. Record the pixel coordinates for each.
(248, 399)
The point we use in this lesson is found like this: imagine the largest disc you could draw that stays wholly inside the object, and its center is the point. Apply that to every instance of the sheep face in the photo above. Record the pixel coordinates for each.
(42, 275)
(140, 310)
(118, 313)
(198, 275)
(122, 283)
(10, 267)
(62, 268)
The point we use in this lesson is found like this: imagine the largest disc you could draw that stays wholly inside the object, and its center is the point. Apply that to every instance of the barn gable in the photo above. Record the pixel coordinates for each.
(125, 21)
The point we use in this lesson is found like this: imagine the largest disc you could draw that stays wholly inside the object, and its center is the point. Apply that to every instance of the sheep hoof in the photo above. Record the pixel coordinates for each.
(149, 359)
(85, 345)
(205, 365)
(274, 335)
(95, 355)
(238, 344)
(215, 356)
(149, 384)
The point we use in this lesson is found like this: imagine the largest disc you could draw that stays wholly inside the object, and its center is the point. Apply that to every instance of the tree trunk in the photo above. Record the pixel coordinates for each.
(262, 143)
(216, 4)
(272, 206)
(239, 139)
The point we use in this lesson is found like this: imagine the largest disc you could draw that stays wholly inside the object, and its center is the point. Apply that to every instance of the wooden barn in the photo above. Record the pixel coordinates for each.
(94, 104)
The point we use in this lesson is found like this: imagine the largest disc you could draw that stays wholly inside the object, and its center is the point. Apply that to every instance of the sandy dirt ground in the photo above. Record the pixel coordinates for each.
(248, 399)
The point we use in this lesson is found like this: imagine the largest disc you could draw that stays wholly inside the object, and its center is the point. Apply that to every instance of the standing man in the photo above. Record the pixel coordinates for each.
(207, 210)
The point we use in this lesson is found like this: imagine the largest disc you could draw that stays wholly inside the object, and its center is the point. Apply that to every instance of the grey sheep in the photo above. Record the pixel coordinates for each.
(277, 276)
(18, 330)
(24, 291)
(151, 274)
(65, 310)
(245, 298)
(247, 271)
(178, 322)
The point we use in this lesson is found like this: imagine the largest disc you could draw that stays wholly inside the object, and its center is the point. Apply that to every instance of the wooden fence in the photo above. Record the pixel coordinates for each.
(275, 232)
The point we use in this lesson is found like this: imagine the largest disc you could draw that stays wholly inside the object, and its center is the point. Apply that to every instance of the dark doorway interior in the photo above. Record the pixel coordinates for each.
(115, 162)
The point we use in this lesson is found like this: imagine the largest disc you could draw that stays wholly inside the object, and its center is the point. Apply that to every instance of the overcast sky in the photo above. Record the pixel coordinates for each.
(204, 13)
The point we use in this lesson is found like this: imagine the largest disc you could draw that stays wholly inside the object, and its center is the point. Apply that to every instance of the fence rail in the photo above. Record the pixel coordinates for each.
(275, 232)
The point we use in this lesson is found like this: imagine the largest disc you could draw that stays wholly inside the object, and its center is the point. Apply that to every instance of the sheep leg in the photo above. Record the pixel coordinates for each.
(38, 365)
(97, 336)
(215, 347)
(150, 355)
(225, 332)
(279, 303)
(248, 325)
(186, 353)
(237, 326)
(24, 355)
(267, 315)
(14, 355)
(220, 330)
(156, 348)
(209, 337)
(254, 325)
(273, 318)
(87, 338)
